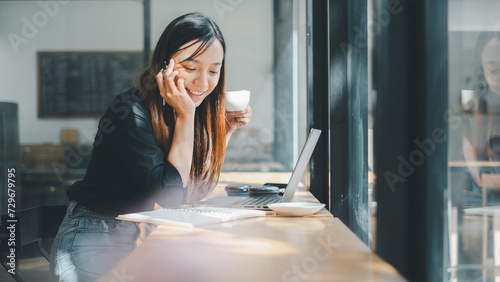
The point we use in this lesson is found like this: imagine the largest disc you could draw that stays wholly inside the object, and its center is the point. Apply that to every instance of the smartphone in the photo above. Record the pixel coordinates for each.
(266, 190)
(237, 189)
(279, 185)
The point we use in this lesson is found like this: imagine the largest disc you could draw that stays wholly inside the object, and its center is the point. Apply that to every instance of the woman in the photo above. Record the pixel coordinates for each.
(161, 142)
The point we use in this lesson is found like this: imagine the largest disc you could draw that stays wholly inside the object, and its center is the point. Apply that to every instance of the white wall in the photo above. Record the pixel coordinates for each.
(117, 26)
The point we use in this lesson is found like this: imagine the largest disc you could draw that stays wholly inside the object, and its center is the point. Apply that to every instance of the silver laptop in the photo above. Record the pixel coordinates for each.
(261, 202)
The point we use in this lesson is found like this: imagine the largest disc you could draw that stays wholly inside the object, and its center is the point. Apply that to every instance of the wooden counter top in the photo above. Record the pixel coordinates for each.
(258, 249)
(271, 248)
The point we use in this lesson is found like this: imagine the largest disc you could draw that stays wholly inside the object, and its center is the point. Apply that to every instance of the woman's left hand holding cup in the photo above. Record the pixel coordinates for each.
(238, 119)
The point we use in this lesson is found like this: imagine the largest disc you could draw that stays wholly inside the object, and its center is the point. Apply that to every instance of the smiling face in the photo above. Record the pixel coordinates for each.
(491, 64)
(201, 74)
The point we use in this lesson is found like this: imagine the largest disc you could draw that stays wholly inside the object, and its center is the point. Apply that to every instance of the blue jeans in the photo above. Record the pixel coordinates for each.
(89, 244)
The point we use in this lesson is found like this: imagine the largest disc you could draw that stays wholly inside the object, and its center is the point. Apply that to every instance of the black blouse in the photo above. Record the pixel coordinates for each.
(128, 172)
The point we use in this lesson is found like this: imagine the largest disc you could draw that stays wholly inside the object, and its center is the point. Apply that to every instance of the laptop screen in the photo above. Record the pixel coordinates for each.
(301, 165)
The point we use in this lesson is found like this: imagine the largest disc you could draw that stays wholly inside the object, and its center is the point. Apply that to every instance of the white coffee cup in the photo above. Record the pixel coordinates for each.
(467, 96)
(237, 100)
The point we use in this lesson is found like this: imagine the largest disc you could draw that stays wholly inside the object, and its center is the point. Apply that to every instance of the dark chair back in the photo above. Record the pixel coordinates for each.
(40, 223)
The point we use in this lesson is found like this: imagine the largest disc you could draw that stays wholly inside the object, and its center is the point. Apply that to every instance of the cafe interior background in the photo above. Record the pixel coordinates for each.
(48, 47)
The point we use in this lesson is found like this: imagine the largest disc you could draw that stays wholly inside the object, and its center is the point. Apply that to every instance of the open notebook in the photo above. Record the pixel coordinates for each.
(190, 217)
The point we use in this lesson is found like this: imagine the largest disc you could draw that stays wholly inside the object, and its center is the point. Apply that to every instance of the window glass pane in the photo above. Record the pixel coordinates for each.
(267, 57)
(474, 128)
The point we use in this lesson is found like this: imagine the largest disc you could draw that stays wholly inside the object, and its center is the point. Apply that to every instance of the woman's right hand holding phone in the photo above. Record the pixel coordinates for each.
(181, 149)
(174, 93)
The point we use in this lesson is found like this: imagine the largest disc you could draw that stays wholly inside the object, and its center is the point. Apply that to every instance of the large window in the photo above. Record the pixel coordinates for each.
(435, 73)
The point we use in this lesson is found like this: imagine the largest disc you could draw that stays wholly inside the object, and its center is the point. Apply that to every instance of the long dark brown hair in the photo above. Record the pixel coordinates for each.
(210, 122)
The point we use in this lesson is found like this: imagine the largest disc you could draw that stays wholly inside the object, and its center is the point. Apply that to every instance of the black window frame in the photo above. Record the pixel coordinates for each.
(410, 78)
(338, 104)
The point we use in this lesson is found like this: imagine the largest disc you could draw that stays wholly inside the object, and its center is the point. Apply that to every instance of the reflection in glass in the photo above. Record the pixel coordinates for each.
(474, 124)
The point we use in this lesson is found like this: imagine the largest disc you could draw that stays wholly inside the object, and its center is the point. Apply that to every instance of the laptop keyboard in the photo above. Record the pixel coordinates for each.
(259, 201)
